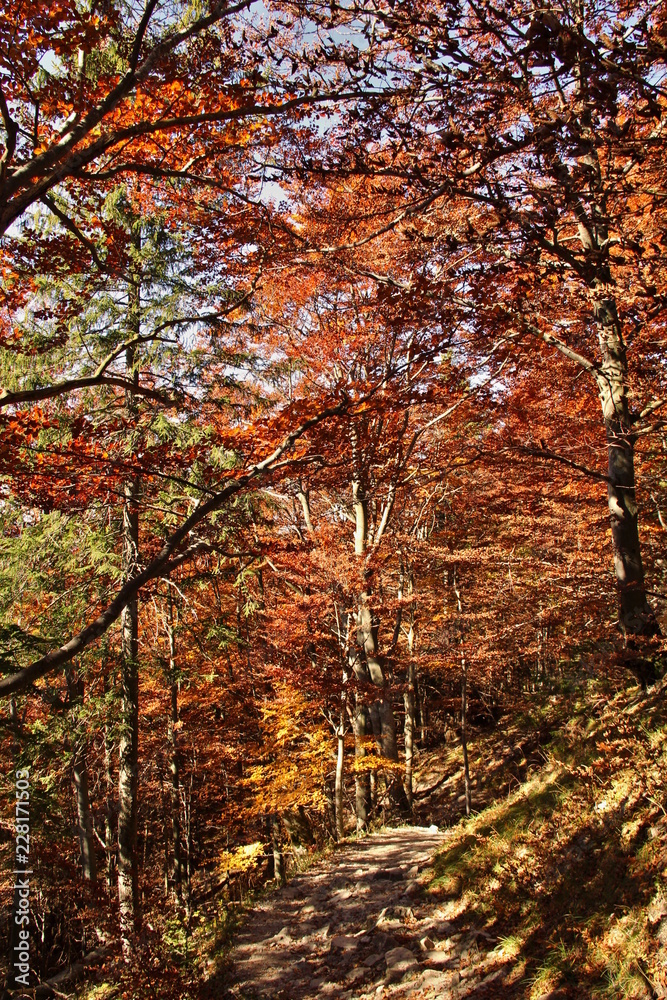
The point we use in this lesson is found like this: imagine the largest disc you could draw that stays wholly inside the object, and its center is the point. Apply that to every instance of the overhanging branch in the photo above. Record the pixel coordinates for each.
(77, 644)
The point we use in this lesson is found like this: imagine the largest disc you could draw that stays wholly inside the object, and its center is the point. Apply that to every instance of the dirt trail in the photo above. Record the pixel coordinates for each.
(357, 925)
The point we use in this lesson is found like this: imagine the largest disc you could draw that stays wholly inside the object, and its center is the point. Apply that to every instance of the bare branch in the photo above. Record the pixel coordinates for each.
(9, 398)
(11, 129)
(141, 31)
(72, 228)
(543, 452)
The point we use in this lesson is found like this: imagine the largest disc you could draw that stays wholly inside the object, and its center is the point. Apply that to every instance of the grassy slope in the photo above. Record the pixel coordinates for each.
(568, 872)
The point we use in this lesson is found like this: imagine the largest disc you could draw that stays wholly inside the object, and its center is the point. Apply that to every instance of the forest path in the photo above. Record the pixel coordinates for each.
(358, 925)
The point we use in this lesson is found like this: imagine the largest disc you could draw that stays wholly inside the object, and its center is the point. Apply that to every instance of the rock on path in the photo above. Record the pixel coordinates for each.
(354, 926)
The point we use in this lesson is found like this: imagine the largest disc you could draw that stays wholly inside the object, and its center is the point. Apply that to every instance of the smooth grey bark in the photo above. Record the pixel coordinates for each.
(360, 517)
(186, 826)
(339, 788)
(361, 728)
(361, 723)
(128, 749)
(384, 728)
(166, 830)
(409, 695)
(339, 783)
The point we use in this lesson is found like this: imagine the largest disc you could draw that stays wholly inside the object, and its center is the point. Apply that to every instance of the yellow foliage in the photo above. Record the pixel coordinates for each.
(242, 859)
(374, 762)
(297, 748)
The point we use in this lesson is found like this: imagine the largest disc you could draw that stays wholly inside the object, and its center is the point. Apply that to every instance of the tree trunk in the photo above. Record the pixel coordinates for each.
(464, 702)
(109, 808)
(362, 780)
(186, 800)
(381, 713)
(635, 614)
(278, 856)
(128, 874)
(379, 717)
(409, 730)
(464, 733)
(80, 782)
(409, 700)
(305, 507)
(422, 706)
(85, 823)
(172, 741)
(166, 831)
(340, 784)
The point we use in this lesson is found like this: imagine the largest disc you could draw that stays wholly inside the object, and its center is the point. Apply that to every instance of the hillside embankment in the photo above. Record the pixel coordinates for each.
(555, 887)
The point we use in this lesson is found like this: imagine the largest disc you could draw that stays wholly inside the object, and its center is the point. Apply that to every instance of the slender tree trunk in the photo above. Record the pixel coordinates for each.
(340, 783)
(166, 831)
(109, 808)
(186, 802)
(109, 790)
(409, 697)
(362, 780)
(464, 705)
(111, 858)
(278, 856)
(422, 706)
(361, 722)
(128, 749)
(304, 500)
(464, 732)
(128, 874)
(172, 741)
(86, 839)
(81, 784)
(409, 731)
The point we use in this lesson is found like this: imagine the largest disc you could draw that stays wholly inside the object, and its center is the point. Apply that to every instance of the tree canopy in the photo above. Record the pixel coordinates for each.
(332, 394)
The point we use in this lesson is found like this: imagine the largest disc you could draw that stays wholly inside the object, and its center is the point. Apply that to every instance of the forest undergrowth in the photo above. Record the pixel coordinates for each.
(556, 885)
(568, 872)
